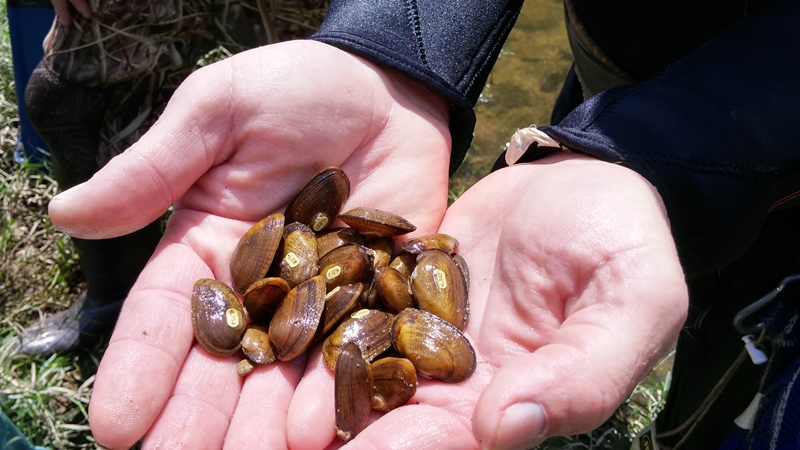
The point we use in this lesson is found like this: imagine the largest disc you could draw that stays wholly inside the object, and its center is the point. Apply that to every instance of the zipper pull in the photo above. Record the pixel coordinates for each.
(756, 355)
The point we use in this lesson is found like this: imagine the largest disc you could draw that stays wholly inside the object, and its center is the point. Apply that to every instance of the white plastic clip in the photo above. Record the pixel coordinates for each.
(747, 418)
(756, 355)
(522, 139)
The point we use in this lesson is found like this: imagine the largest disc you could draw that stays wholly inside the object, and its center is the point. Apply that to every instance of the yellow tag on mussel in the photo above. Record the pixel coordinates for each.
(440, 278)
(292, 260)
(333, 272)
(232, 318)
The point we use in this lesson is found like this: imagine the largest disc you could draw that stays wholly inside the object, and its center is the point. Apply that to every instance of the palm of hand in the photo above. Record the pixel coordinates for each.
(228, 151)
(575, 293)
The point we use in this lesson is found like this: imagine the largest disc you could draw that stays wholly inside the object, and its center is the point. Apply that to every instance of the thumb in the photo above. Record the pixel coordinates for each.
(137, 186)
(567, 387)
(536, 396)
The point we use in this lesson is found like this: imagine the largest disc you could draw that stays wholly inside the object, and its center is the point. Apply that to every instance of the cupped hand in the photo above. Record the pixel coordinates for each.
(576, 292)
(237, 141)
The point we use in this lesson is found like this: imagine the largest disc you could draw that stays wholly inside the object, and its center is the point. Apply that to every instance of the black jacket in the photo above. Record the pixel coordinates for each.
(714, 124)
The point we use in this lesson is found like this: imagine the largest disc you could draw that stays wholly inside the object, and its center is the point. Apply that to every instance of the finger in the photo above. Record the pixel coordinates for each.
(260, 417)
(154, 332)
(311, 421)
(575, 382)
(199, 410)
(220, 123)
(447, 408)
(563, 394)
(255, 151)
(139, 185)
(144, 356)
(83, 7)
(63, 11)
(416, 427)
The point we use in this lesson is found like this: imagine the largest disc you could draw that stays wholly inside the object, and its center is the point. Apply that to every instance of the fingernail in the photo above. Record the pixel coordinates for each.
(521, 426)
(65, 195)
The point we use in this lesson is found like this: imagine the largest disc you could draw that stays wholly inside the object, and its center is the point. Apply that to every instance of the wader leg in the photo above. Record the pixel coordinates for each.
(69, 118)
(709, 343)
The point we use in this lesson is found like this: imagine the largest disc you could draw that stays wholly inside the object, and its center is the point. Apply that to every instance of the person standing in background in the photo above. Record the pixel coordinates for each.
(108, 70)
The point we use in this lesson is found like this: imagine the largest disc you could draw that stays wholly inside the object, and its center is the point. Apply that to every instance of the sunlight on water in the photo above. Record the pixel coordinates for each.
(522, 87)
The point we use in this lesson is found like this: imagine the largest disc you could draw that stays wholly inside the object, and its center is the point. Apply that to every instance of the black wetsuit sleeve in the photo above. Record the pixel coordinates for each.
(448, 46)
(717, 133)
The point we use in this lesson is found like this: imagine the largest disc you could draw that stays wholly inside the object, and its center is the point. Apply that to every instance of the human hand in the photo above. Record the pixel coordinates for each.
(237, 141)
(576, 292)
(64, 10)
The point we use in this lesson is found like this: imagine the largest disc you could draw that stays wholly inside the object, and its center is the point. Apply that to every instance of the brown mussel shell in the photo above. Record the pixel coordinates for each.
(244, 367)
(394, 289)
(404, 263)
(395, 381)
(382, 248)
(300, 260)
(257, 346)
(263, 297)
(439, 287)
(339, 303)
(318, 203)
(371, 298)
(375, 222)
(254, 252)
(370, 329)
(295, 322)
(334, 238)
(439, 241)
(348, 264)
(436, 348)
(353, 388)
(461, 263)
(218, 319)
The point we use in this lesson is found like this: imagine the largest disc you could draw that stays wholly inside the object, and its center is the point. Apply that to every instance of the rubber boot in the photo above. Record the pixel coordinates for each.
(68, 117)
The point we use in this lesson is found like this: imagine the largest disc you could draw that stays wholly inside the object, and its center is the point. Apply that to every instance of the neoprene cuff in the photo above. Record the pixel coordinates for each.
(718, 134)
(447, 46)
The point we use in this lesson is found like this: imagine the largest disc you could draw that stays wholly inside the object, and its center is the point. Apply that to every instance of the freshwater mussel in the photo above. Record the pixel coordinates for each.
(381, 315)
(218, 318)
(254, 252)
(320, 200)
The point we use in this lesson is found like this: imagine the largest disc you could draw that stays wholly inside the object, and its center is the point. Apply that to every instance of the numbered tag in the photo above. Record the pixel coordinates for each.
(440, 278)
(333, 272)
(292, 260)
(232, 318)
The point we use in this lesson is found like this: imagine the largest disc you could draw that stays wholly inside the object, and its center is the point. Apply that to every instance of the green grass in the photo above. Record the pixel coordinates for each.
(45, 397)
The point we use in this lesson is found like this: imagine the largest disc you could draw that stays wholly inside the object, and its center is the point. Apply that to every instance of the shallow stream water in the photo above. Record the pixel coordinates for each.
(522, 87)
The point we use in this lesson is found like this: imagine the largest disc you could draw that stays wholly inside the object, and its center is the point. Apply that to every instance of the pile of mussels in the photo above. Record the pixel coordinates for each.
(381, 317)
